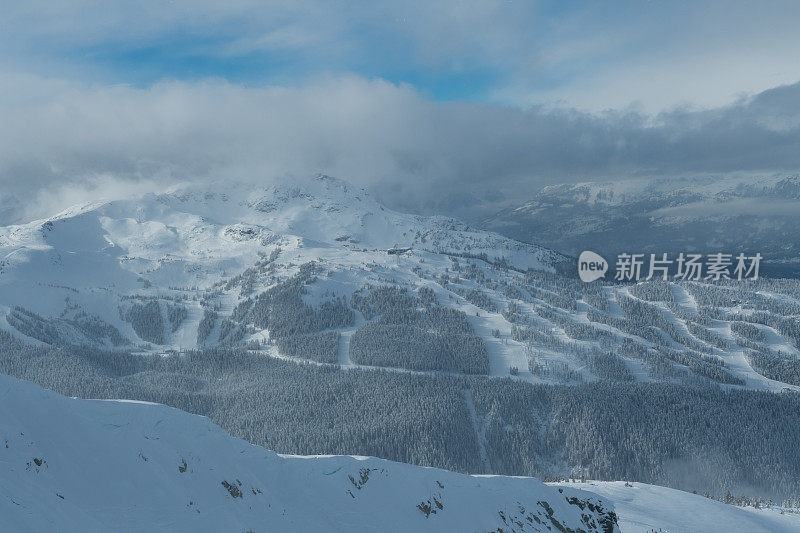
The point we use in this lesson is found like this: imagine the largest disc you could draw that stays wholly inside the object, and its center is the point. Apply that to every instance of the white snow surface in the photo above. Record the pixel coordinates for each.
(87, 465)
(84, 465)
(193, 248)
(179, 244)
(647, 508)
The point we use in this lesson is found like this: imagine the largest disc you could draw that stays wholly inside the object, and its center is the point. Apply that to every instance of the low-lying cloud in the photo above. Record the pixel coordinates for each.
(412, 152)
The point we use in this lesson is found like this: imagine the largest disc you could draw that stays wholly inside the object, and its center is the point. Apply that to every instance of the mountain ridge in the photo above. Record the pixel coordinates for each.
(77, 464)
(702, 214)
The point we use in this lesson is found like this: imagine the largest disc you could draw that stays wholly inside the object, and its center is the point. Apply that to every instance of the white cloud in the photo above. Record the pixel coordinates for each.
(704, 79)
(592, 56)
(412, 151)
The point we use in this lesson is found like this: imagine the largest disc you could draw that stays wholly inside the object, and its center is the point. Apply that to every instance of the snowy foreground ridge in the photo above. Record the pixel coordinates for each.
(88, 465)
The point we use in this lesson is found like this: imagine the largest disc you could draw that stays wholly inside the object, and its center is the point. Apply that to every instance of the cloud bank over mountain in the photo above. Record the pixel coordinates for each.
(61, 139)
(446, 106)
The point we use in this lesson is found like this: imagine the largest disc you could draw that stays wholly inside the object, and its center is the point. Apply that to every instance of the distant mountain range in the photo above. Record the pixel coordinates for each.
(703, 215)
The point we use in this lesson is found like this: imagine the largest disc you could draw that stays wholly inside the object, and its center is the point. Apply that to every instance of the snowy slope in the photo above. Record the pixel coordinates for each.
(170, 234)
(706, 214)
(181, 244)
(77, 277)
(88, 465)
(646, 508)
(91, 465)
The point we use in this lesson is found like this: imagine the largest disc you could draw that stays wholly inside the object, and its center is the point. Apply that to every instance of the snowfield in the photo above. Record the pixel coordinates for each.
(190, 257)
(87, 465)
(317, 294)
(84, 465)
(646, 508)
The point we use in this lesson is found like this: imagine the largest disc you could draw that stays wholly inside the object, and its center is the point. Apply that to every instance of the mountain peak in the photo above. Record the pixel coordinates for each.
(193, 241)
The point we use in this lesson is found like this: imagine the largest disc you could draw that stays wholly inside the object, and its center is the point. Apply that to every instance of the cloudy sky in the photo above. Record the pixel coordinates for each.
(412, 99)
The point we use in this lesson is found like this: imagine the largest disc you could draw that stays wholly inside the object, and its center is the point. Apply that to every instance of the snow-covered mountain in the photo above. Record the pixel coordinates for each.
(87, 465)
(92, 465)
(308, 318)
(648, 508)
(89, 260)
(196, 267)
(705, 214)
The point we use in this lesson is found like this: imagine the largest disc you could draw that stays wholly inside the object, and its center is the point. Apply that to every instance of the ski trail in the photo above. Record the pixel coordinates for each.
(185, 337)
(683, 298)
(226, 303)
(480, 431)
(614, 310)
(344, 348)
(344, 341)
(738, 363)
